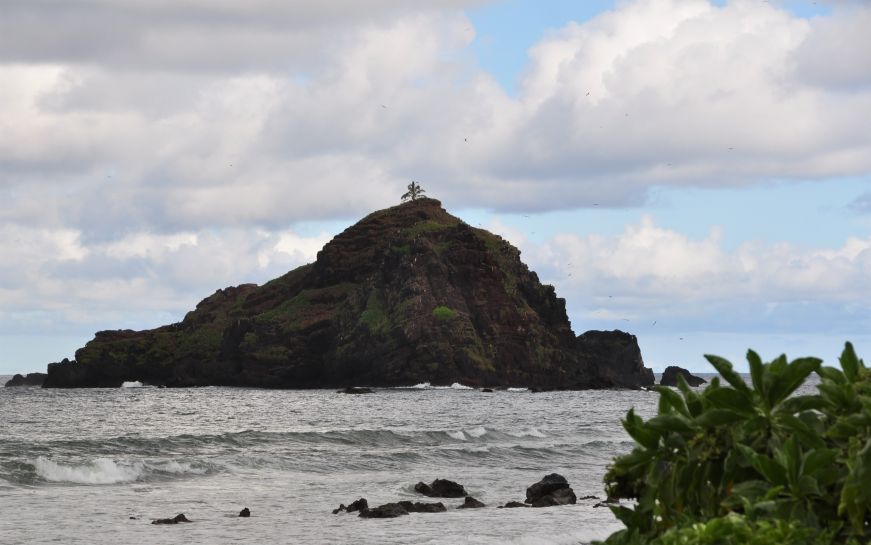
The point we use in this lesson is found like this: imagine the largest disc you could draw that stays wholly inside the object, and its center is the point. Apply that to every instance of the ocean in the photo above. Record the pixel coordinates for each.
(95, 466)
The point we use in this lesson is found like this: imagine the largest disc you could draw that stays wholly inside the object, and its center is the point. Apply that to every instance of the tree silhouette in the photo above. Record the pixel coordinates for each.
(414, 192)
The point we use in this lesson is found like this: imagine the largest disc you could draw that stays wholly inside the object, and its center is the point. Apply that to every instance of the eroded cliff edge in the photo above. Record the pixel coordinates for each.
(409, 294)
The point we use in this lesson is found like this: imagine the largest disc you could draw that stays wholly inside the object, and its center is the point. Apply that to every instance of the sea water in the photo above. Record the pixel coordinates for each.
(95, 466)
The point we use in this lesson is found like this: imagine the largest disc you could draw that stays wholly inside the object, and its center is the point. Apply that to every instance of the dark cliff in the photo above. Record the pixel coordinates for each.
(409, 294)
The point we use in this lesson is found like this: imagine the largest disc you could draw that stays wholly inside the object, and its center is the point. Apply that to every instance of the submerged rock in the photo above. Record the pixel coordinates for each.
(441, 488)
(31, 379)
(174, 520)
(669, 377)
(421, 507)
(357, 505)
(513, 504)
(386, 511)
(408, 295)
(471, 503)
(553, 489)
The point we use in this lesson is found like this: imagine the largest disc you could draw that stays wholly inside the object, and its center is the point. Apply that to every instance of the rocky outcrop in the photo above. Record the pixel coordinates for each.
(386, 511)
(174, 520)
(31, 379)
(356, 505)
(441, 488)
(552, 490)
(245, 512)
(471, 503)
(407, 295)
(669, 377)
(422, 507)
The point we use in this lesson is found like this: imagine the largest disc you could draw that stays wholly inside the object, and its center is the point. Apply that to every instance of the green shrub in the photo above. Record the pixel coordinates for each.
(443, 313)
(751, 458)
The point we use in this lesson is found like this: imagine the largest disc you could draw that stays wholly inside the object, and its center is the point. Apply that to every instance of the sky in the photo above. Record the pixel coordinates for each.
(695, 172)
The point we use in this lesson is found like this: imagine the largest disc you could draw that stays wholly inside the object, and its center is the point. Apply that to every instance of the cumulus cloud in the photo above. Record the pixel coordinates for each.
(153, 149)
(649, 271)
(52, 281)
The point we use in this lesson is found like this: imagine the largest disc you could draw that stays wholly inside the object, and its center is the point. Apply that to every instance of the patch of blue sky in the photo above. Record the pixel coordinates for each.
(807, 214)
(504, 32)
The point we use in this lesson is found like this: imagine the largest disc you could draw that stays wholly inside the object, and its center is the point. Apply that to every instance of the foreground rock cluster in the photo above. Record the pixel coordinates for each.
(407, 295)
(552, 490)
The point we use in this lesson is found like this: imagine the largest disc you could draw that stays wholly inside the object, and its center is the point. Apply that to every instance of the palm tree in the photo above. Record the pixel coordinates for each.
(414, 191)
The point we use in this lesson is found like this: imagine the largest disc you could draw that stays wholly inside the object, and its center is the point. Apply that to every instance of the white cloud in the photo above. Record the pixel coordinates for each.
(152, 150)
(649, 271)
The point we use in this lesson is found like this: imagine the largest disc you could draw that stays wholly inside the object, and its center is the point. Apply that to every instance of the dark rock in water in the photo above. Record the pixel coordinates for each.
(245, 512)
(471, 503)
(31, 379)
(441, 488)
(553, 489)
(355, 390)
(421, 507)
(407, 295)
(669, 377)
(618, 357)
(357, 505)
(386, 511)
(548, 484)
(563, 496)
(589, 498)
(606, 503)
(513, 504)
(487, 390)
(174, 520)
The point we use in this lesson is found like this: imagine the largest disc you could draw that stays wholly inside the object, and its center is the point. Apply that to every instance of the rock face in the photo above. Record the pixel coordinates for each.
(441, 488)
(407, 295)
(471, 503)
(386, 511)
(174, 520)
(31, 379)
(669, 377)
(553, 489)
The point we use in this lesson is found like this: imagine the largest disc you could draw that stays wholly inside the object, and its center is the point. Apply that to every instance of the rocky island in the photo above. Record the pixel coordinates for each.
(408, 294)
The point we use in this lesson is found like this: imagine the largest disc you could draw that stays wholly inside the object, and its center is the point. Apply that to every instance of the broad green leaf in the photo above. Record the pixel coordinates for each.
(666, 423)
(757, 371)
(792, 376)
(818, 459)
(850, 363)
(634, 425)
(770, 469)
(727, 398)
(830, 373)
(798, 404)
(717, 417)
(673, 399)
(724, 368)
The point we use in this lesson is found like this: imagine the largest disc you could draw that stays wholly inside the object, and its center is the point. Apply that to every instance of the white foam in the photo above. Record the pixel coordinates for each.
(477, 432)
(100, 471)
(177, 467)
(422, 386)
(518, 389)
(529, 432)
(132, 384)
(457, 435)
(458, 386)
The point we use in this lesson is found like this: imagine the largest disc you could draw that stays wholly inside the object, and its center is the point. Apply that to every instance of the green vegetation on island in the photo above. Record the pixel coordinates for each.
(751, 463)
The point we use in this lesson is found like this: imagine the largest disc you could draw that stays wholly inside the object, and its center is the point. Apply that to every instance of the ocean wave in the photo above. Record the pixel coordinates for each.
(132, 384)
(429, 386)
(109, 471)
